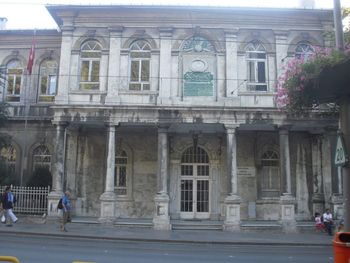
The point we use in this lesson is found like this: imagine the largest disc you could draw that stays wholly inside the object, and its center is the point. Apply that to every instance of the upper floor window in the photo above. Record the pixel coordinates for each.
(90, 65)
(303, 50)
(256, 67)
(14, 80)
(48, 80)
(121, 172)
(270, 174)
(41, 158)
(140, 60)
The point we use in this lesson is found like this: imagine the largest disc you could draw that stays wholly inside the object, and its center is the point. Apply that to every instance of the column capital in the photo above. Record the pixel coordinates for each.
(231, 128)
(165, 31)
(231, 33)
(284, 129)
(116, 31)
(163, 127)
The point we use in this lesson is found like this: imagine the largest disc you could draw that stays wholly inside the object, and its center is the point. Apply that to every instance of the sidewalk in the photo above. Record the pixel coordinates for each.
(108, 232)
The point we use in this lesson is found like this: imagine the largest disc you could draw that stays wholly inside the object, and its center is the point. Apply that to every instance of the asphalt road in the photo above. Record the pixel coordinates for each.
(29, 249)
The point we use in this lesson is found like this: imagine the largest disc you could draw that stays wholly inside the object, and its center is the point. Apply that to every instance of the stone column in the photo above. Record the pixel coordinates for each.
(57, 170)
(317, 196)
(108, 198)
(114, 78)
(281, 50)
(65, 64)
(161, 219)
(287, 201)
(231, 63)
(232, 201)
(165, 34)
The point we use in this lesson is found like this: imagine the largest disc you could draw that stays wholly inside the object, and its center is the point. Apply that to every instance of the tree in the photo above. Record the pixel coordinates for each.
(6, 176)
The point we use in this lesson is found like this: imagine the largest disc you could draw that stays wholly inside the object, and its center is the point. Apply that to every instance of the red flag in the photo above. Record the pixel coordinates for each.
(31, 57)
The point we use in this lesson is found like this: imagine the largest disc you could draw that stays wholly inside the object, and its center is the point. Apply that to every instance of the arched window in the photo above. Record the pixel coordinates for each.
(120, 175)
(14, 80)
(90, 58)
(194, 201)
(8, 154)
(256, 67)
(140, 63)
(303, 50)
(270, 174)
(41, 158)
(48, 80)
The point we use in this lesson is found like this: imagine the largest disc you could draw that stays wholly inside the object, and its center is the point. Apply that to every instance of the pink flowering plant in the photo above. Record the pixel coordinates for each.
(297, 86)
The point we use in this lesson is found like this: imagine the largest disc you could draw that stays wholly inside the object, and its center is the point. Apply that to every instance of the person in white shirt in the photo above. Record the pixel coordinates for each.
(328, 221)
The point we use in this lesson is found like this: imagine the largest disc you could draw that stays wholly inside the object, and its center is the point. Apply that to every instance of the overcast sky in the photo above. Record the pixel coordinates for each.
(30, 14)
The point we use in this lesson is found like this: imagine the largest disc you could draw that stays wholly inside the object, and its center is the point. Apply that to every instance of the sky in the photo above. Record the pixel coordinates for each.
(30, 14)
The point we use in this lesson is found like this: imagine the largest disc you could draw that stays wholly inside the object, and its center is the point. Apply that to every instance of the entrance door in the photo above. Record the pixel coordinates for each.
(195, 187)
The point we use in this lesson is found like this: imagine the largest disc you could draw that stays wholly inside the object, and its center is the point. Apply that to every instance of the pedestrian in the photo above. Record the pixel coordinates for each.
(318, 222)
(66, 209)
(328, 221)
(2, 210)
(8, 200)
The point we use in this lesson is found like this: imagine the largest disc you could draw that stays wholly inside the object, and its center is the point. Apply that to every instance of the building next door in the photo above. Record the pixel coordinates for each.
(194, 184)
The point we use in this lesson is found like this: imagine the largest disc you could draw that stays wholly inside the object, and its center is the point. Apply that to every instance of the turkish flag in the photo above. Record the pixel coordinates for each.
(31, 57)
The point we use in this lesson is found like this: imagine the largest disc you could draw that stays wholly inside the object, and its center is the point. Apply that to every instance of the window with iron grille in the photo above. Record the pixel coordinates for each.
(270, 174)
(8, 155)
(41, 158)
(120, 175)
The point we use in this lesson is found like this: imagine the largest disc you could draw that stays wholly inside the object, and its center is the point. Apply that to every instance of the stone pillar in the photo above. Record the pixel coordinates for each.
(165, 34)
(114, 78)
(65, 62)
(161, 219)
(108, 198)
(317, 196)
(232, 201)
(281, 50)
(57, 170)
(287, 201)
(231, 63)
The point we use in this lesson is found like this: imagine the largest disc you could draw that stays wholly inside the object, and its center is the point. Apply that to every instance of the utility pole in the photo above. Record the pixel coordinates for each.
(344, 117)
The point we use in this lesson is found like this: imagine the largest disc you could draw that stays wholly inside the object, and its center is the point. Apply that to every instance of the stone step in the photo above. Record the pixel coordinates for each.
(196, 227)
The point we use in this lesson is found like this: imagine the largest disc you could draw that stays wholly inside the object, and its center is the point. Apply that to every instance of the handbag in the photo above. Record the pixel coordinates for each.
(3, 219)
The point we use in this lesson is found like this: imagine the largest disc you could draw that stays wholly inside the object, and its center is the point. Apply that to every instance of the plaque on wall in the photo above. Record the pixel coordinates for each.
(246, 171)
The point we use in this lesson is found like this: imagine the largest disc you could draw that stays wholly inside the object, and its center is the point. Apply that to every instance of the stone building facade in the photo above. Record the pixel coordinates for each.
(164, 113)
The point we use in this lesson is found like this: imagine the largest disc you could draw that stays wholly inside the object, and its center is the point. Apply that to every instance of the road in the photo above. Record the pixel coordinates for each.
(30, 249)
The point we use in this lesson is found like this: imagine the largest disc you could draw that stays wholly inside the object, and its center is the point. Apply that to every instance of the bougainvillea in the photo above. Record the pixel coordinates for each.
(297, 85)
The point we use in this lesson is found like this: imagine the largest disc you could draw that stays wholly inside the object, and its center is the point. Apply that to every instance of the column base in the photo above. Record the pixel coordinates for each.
(337, 202)
(107, 207)
(233, 213)
(52, 202)
(318, 203)
(161, 219)
(288, 222)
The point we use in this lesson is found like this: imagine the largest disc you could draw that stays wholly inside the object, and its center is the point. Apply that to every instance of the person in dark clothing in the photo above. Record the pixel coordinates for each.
(7, 203)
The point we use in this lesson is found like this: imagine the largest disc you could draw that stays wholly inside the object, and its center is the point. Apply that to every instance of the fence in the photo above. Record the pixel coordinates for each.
(30, 200)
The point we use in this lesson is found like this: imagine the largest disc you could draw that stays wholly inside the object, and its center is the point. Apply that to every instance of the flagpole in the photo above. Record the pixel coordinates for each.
(27, 105)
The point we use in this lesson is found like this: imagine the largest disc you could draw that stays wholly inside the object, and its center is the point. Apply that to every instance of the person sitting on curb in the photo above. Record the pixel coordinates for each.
(328, 221)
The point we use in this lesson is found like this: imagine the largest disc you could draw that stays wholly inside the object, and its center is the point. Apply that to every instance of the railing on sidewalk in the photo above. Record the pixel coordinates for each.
(30, 200)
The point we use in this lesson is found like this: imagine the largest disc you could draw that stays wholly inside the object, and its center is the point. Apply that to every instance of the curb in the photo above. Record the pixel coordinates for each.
(155, 240)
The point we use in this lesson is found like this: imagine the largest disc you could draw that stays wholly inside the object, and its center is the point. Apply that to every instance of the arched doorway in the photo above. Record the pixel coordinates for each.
(194, 184)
